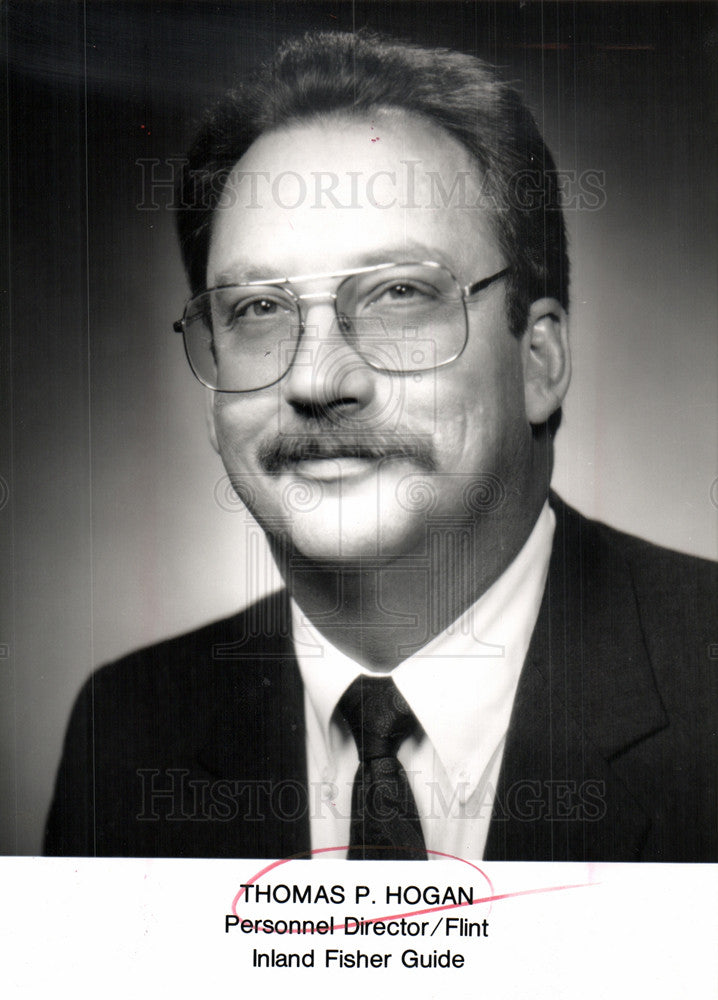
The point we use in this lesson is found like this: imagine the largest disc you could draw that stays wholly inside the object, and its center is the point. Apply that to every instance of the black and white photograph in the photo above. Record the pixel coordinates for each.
(359, 456)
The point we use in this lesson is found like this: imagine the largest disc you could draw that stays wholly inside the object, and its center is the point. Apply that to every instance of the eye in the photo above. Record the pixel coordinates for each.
(256, 309)
(250, 313)
(403, 293)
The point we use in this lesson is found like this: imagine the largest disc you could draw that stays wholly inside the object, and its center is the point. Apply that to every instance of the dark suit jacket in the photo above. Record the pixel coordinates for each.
(196, 747)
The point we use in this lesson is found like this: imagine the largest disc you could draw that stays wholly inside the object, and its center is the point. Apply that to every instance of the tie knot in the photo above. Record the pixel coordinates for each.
(378, 715)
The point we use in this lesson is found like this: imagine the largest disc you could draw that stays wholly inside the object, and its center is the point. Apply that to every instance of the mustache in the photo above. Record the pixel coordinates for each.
(287, 450)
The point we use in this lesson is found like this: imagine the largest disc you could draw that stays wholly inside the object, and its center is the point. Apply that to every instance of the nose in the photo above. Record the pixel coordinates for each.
(327, 376)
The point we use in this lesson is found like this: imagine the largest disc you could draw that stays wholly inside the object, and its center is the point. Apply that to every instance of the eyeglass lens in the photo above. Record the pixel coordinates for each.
(398, 319)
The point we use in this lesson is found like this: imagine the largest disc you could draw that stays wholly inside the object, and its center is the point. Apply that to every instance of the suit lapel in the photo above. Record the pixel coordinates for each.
(257, 736)
(585, 697)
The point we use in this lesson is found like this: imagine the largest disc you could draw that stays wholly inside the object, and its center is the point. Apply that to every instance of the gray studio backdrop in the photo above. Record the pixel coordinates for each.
(117, 526)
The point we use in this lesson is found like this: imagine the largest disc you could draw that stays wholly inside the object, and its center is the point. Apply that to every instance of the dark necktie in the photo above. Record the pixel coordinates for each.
(385, 823)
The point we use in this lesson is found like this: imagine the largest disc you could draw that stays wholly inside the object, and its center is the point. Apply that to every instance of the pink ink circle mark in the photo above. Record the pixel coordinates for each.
(493, 897)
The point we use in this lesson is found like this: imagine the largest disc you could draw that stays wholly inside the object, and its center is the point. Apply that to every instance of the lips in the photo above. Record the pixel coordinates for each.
(336, 467)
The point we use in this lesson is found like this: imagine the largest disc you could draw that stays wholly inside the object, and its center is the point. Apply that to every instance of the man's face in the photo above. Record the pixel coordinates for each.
(341, 194)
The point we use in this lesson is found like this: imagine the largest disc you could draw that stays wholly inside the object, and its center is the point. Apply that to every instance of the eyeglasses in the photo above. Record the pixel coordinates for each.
(399, 319)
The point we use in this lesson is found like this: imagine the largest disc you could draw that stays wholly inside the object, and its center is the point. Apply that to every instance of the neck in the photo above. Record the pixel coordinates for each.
(381, 613)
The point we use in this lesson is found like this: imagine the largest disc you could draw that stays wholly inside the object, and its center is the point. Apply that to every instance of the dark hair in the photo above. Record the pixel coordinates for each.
(328, 72)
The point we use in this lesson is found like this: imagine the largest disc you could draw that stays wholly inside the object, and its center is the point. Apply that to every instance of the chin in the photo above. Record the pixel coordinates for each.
(338, 534)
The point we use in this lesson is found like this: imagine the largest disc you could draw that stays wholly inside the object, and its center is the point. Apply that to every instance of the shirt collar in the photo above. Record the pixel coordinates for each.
(460, 685)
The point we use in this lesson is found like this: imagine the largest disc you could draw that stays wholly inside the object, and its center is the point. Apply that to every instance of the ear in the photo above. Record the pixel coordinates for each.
(209, 417)
(547, 359)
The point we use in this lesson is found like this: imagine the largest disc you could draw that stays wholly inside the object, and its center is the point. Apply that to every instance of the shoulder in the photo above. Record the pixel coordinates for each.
(162, 701)
(190, 707)
(674, 593)
(204, 659)
(655, 570)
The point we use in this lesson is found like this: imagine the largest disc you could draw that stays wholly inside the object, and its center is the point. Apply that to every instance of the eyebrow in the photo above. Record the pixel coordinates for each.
(409, 252)
(238, 275)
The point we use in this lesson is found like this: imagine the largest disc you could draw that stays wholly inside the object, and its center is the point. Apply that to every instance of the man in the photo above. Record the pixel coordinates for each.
(460, 664)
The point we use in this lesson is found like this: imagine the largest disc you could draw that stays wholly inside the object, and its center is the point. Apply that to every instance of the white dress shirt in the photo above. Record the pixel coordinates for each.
(461, 688)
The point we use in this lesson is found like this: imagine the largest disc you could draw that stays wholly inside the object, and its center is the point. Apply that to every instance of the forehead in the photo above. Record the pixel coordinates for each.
(343, 192)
